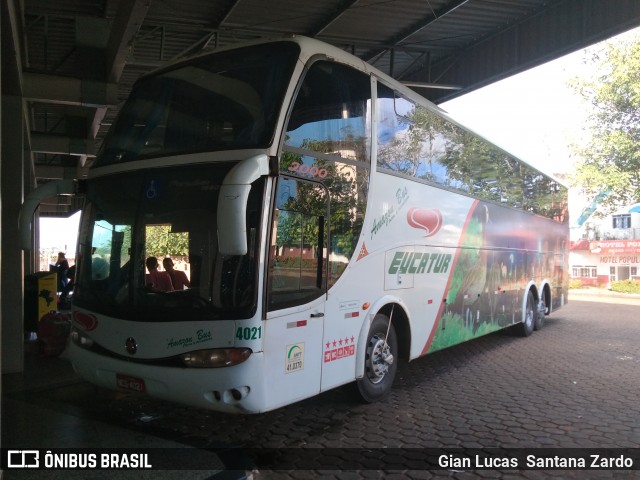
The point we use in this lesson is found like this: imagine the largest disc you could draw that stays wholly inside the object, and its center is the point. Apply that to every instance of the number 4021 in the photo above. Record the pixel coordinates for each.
(249, 333)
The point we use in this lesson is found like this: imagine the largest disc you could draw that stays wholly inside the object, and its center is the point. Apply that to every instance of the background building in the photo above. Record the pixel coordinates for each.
(606, 249)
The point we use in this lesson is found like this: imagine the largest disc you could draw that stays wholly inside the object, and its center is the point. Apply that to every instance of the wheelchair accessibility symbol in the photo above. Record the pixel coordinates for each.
(152, 192)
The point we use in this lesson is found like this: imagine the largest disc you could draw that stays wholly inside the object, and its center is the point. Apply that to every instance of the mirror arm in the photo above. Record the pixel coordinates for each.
(232, 204)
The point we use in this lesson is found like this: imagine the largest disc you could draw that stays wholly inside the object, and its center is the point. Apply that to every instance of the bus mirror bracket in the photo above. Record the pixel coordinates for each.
(34, 199)
(232, 204)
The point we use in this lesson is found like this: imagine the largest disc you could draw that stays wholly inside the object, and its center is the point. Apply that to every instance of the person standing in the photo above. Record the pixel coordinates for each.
(159, 281)
(178, 277)
(62, 269)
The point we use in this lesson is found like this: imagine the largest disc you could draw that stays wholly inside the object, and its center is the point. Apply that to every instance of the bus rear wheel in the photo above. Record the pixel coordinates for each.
(530, 314)
(381, 361)
(540, 313)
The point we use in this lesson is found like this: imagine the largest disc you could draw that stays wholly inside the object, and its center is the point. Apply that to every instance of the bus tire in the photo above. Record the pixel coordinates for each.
(530, 313)
(540, 312)
(381, 361)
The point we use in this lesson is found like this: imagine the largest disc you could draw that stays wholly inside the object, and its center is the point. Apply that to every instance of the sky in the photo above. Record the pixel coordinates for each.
(59, 234)
(534, 115)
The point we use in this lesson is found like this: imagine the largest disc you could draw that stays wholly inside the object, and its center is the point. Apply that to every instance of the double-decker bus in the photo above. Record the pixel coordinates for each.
(331, 221)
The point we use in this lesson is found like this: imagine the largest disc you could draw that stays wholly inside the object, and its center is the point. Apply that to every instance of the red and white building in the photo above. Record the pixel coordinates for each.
(607, 249)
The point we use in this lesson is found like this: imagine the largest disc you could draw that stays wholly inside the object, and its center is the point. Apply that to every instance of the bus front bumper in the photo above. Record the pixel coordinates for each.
(236, 389)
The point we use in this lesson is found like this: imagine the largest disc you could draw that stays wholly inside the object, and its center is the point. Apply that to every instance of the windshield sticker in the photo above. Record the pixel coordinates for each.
(201, 336)
(337, 349)
(152, 191)
(306, 170)
(295, 358)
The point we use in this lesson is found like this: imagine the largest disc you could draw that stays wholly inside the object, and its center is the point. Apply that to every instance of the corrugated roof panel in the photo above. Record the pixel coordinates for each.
(378, 21)
(437, 38)
(283, 16)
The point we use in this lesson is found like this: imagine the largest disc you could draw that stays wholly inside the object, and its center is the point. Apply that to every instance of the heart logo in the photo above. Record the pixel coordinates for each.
(88, 322)
(429, 220)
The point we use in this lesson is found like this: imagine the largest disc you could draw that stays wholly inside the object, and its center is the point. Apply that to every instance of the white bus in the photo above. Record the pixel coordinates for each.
(331, 220)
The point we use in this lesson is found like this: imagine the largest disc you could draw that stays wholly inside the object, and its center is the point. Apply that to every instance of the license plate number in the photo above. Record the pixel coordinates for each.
(127, 382)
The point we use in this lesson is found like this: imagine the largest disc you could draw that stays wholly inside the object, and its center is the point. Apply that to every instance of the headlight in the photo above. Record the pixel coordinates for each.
(80, 339)
(216, 357)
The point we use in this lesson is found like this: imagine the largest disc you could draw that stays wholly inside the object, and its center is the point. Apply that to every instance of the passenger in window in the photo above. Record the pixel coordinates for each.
(158, 281)
(99, 266)
(178, 277)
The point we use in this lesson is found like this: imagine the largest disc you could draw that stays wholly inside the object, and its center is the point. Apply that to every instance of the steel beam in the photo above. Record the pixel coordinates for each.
(59, 90)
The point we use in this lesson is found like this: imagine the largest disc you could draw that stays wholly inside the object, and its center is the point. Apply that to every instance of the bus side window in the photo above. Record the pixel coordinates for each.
(328, 139)
(297, 267)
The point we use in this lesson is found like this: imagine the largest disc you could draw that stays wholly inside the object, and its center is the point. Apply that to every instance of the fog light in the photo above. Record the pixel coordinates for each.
(236, 394)
(80, 339)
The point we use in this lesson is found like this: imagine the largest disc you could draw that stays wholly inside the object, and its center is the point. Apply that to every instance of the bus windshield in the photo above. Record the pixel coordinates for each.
(223, 101)
(170, 215)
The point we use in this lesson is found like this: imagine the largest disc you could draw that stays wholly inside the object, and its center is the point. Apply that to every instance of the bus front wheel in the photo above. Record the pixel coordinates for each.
(381, 361)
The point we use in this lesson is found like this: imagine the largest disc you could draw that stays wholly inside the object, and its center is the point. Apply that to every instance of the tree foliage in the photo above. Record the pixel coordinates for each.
(160, 242)
(434, 149)
(610, 161)
(347, 187)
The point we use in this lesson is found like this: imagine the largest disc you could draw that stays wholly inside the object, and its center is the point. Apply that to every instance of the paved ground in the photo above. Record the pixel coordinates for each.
(574, 384)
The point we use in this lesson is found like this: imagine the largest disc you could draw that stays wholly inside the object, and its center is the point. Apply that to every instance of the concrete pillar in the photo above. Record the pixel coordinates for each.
(1, 158)
(12, 273)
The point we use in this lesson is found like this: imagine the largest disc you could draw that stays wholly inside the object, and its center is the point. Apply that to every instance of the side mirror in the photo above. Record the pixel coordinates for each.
(35, 198)
(232, 204)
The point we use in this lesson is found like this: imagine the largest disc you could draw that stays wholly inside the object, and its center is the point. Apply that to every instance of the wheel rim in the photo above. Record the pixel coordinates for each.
(379, 357)
(529, 316)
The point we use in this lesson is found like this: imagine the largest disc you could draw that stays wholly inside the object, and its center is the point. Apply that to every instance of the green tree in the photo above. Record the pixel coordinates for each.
(610, 161)
(160, 242)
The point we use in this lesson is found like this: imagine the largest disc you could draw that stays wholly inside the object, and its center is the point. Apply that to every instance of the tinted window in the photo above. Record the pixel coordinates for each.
(416, 142)
(328, 140)
(298, 253)
(222, 101)
(167, 214)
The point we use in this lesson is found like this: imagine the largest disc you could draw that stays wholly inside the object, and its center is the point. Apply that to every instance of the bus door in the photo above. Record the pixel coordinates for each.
(296, 291)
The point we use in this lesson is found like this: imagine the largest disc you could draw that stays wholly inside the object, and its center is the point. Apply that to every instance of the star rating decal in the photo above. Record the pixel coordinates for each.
(339, 348)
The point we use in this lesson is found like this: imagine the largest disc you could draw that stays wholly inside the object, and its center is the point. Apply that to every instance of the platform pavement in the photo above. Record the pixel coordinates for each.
(573, 384)
(603, 295)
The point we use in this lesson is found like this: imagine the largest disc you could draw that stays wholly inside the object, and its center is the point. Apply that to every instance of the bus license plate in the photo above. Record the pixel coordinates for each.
(133, 384)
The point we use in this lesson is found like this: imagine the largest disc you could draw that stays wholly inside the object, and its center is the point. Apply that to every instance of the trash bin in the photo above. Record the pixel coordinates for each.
(53, 331)
(40, 298)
